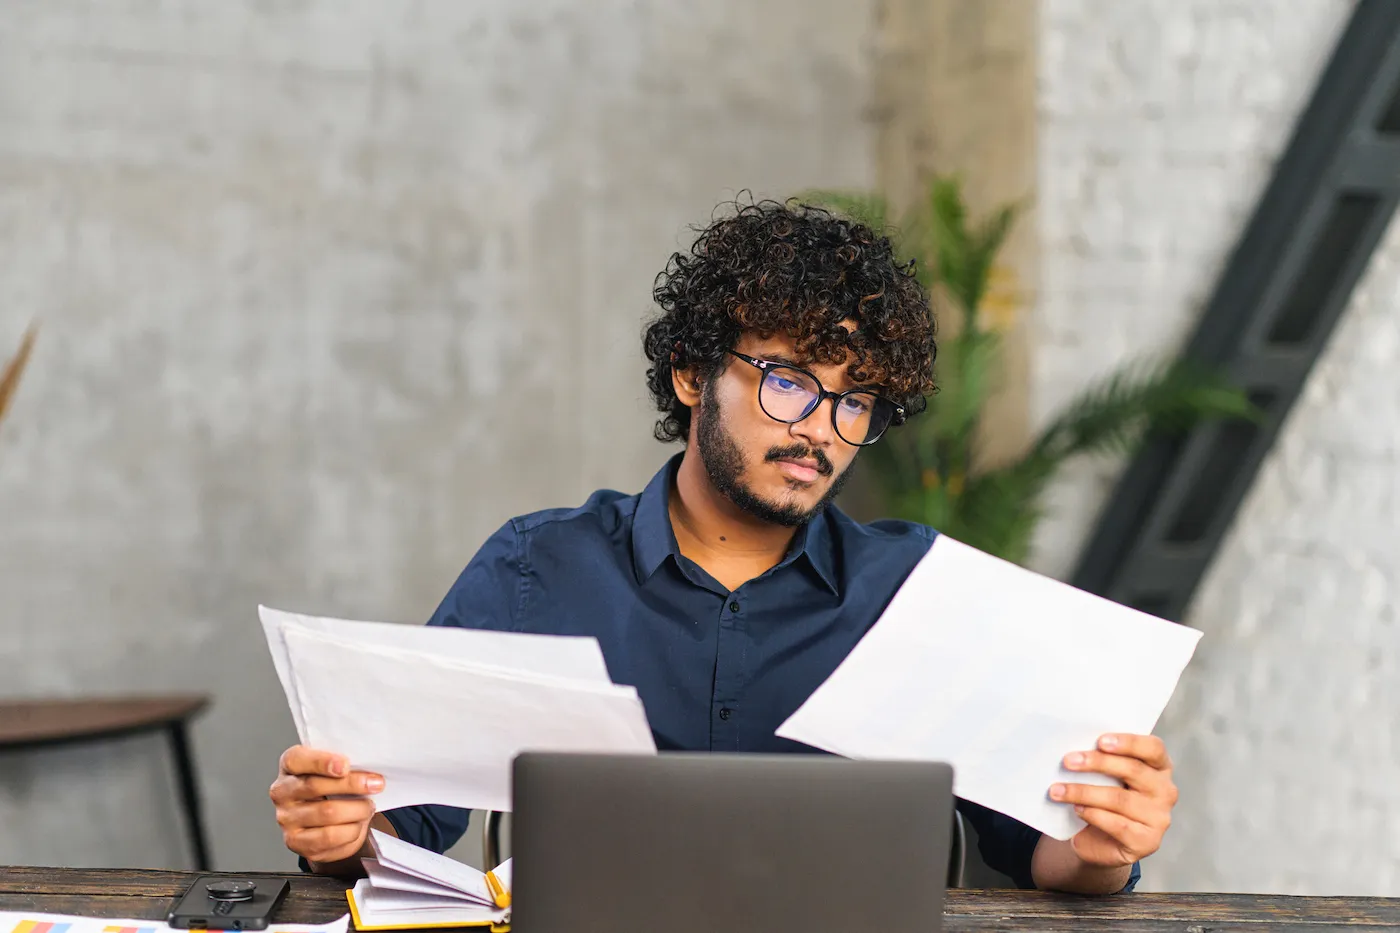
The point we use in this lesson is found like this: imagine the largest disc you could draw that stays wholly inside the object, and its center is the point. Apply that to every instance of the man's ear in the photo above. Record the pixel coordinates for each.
(688, 385)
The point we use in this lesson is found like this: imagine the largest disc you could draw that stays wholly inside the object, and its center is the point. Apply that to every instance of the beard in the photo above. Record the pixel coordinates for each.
(724, 464)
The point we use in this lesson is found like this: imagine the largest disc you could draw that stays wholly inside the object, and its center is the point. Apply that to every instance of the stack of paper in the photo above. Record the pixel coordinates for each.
(410, 887)
(442, 712)
(1001, 673)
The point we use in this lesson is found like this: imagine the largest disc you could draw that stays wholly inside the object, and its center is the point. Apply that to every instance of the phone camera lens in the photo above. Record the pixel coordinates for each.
(231, 890)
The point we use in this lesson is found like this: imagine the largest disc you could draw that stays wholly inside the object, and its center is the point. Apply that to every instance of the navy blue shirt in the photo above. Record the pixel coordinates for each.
(716, 670)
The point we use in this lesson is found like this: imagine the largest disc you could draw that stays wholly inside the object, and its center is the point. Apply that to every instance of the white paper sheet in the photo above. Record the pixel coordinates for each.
(563, 656)
(505, 873)
(444, 730)
(1000, 672)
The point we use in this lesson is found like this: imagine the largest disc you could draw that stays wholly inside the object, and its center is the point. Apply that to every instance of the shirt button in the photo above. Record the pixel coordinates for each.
(726, 713)
(733, 606)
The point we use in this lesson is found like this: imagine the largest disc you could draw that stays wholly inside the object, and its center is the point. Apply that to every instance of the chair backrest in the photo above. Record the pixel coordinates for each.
(957, 859)
(491, 840)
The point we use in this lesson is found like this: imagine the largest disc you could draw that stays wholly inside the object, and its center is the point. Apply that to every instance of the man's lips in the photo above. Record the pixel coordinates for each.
(804, 470)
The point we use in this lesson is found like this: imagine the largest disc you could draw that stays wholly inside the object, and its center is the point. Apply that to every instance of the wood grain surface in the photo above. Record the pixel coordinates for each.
(146, 895)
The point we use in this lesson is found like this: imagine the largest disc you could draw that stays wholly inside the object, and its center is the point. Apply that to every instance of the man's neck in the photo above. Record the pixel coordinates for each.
(715, 533)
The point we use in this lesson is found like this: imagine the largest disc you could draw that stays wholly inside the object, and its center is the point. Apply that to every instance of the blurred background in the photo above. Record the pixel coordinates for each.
(327, 290)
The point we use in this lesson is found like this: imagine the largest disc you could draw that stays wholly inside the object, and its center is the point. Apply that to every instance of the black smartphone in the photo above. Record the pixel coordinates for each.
(228, 902)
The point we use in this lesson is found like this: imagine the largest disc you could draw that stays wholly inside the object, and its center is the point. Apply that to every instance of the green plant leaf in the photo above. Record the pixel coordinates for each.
(985, 245)
(862, 207)
(953, 246)
(1115, 414)
(924, 468)
(998, 513)
(967, 372)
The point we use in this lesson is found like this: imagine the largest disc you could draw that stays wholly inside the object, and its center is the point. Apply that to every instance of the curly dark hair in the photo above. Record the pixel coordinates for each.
(794, 269)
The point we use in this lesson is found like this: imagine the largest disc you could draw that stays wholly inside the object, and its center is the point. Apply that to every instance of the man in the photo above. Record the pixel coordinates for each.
(731, 587)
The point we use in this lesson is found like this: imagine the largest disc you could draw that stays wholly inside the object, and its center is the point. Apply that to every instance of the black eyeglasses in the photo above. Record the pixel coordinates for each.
(789, 393)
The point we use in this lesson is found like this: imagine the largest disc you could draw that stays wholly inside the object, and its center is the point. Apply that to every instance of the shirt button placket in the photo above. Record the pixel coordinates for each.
(727, 673)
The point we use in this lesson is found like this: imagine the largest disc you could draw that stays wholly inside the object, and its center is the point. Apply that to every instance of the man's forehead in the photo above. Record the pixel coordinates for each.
(783, 349)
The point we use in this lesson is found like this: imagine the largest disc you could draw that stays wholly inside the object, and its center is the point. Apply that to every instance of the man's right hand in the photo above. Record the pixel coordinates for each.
(322, 806)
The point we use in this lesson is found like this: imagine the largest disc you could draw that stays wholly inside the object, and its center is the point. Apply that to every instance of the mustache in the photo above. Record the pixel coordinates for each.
(799, 452)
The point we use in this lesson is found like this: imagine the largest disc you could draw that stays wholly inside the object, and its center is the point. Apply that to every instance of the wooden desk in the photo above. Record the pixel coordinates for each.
(146, 895)
(44, 723)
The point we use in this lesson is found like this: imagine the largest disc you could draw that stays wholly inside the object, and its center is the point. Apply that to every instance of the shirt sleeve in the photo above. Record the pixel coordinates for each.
(486, 596)
(1007, 845)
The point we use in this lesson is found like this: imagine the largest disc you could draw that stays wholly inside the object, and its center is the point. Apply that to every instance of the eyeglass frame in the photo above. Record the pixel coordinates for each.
(823, 393)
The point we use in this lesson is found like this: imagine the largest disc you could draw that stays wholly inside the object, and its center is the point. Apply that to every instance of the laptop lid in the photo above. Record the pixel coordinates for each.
(699, 843)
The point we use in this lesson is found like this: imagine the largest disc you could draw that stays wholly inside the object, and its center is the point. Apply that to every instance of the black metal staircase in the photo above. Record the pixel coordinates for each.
(1290, 277)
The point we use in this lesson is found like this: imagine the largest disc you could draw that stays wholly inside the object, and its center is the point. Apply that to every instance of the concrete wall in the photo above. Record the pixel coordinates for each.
(1160, 123)
(328, 290)
(956, 92)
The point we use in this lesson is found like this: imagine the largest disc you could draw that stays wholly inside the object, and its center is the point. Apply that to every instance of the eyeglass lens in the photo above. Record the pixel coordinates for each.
(789, 395)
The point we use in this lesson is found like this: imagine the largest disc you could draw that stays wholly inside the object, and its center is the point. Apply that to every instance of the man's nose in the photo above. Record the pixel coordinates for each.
(816, 429)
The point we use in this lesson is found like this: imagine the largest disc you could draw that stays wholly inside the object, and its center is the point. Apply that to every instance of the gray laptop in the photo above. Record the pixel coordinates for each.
(699, 843)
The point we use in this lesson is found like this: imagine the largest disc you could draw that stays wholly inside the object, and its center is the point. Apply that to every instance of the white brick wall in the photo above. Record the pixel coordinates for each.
(1160, 123)
(1287, 729)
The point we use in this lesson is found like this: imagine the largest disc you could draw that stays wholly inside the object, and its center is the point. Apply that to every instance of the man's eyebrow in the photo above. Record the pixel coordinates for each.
(782, 358)
(786, 360)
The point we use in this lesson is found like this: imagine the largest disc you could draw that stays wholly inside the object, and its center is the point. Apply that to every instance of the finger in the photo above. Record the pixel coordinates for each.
(327, 843)
(1131, 771)
(325, 813)
(302, 760)
(356, 784)
(1128, 803)
(291, 788)
(1149, 749)
(1137, 840)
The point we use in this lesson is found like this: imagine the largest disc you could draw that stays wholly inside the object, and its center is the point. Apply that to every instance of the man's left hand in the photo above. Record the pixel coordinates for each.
(1125, 823)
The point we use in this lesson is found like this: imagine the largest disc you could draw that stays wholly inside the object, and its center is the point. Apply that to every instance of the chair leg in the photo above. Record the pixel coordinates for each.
(189, 794)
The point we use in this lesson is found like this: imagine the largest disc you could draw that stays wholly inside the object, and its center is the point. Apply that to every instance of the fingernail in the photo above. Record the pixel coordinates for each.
(1079, 808)
(1109, 741)
(374, 785)
(337, 768)
(1074, 759)
(1057, 791)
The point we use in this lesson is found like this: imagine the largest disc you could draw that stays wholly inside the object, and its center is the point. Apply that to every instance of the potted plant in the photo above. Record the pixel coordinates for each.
(929, 470)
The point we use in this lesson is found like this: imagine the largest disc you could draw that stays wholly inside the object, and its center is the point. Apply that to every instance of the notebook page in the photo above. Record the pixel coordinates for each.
(385, 878)
(409, 859)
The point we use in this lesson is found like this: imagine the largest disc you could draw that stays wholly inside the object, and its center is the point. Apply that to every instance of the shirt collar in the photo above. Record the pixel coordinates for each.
(814, 542)
(653, 538)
